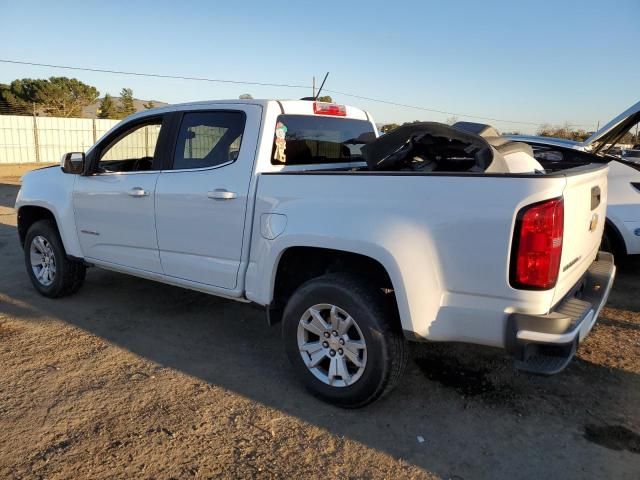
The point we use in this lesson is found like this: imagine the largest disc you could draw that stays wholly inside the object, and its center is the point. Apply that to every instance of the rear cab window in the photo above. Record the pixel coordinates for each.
(314, 139)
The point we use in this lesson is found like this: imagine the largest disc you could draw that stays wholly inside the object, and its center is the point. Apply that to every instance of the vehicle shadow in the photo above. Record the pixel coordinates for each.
(8, 193)
(626, 293)
(467, 402)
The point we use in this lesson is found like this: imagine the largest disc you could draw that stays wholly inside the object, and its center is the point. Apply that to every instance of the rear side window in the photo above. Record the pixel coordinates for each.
(306, 139)
(208, 139)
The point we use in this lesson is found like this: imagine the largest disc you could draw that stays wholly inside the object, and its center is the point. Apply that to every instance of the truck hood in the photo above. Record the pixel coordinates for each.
(607, 136)
(598, 143)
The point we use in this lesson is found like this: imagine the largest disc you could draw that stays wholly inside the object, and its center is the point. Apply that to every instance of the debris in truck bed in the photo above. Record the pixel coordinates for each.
(429, 147)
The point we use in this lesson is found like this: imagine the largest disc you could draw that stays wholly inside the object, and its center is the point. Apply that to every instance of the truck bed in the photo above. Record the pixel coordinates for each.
(442, 233)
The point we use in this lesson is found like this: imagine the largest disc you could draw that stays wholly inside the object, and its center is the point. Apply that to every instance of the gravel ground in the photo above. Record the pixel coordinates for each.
(133, 379)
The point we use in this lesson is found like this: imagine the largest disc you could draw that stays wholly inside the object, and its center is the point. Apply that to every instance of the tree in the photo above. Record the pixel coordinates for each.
(325, 98)
(8, 104)
(56, 96)
(108, 108)
(452, 119)
(565, 131)
(149, 105)
(245, 96)
(389, 127)
(127, 107)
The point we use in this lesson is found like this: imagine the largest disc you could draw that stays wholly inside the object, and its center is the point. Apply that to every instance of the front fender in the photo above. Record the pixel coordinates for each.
(52, 189)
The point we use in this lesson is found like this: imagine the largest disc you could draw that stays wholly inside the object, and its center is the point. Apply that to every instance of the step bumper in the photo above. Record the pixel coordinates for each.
(545, 344)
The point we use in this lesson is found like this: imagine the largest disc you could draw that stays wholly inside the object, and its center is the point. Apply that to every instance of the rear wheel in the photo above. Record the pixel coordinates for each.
(49, 269)
(343, 340)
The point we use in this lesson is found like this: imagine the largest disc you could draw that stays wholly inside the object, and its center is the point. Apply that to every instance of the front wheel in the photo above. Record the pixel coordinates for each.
(344, 340)
(49, 269)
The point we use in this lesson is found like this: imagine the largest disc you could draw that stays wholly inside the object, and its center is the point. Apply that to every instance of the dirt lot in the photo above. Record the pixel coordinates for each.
(132, 379)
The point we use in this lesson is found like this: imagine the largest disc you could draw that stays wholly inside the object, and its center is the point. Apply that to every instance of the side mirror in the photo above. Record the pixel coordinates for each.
(73, 163)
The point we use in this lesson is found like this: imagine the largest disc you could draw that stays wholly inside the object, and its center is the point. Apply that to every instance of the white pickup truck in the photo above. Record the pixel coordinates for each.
(356, 243)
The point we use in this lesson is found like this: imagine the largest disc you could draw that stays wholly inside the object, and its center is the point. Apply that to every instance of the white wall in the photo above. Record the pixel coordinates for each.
(45, 139)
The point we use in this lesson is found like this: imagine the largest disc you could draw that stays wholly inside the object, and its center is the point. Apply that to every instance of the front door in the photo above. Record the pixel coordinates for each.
(114, 203)
(201, 199)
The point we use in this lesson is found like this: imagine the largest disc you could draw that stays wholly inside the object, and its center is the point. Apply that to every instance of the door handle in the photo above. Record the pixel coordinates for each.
(138, 192)
(222, 194)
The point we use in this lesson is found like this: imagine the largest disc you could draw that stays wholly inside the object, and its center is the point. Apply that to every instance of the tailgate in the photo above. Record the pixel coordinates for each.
(585, 204)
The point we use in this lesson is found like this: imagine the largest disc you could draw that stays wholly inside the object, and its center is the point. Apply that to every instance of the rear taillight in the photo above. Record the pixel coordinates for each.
(535, 259)
(321, 108)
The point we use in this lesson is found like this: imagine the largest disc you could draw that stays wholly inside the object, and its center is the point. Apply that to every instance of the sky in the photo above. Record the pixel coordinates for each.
(536, 62)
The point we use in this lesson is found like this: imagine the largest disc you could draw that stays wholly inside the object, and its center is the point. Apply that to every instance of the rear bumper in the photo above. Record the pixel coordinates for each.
(545, 344)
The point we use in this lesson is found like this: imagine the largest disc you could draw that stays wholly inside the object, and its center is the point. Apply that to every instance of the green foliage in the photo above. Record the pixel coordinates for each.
(8, 104)
(127, 106)
(56, 96)
(388, 127)
(108, 108)
(325, 98)
(245, 96)
(149, 105)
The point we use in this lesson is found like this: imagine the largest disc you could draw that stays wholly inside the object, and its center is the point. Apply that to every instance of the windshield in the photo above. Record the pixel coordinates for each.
(309, 139)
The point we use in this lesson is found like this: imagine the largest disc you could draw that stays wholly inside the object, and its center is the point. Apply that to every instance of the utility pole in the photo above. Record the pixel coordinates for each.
(314, 87)
(36, 142)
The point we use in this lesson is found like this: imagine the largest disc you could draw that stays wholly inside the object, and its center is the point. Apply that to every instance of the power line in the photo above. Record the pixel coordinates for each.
(269, 84)
(493, 119)
(388, 102)
(157, 75)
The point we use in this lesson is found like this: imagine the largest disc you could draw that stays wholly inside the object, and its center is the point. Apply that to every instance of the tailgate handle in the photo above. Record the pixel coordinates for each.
(595, 197)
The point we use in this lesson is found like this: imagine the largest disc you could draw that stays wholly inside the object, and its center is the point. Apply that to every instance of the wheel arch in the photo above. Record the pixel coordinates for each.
(297, 264)
(619, 244)
(30, 214)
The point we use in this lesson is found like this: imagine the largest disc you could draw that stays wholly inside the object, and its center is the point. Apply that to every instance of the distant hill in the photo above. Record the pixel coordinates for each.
(90, 111)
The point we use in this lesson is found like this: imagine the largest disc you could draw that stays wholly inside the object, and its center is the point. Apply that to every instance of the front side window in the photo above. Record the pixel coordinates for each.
(313, 139)
(132, 151)
(208, 139)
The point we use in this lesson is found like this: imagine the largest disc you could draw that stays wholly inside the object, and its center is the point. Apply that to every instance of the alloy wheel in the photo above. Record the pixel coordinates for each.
(332, 345)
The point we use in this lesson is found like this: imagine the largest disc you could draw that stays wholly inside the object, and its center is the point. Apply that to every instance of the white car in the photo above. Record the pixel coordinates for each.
(622, 231)
(355, 244)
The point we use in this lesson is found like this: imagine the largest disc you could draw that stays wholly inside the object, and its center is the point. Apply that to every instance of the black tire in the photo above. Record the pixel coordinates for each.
(69, 275)
(612, 244)
(376, 318)
(607, 243)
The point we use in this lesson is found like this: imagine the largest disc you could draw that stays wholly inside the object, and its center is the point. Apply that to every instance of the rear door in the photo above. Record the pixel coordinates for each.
(585, 200)
(202, 195)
